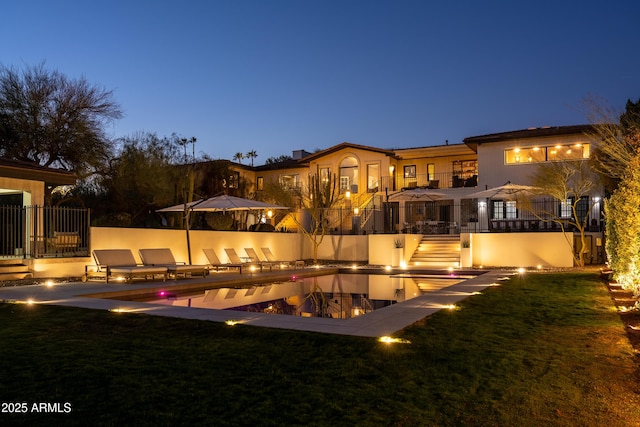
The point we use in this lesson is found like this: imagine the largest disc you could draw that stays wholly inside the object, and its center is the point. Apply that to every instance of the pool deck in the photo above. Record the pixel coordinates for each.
(381, 322)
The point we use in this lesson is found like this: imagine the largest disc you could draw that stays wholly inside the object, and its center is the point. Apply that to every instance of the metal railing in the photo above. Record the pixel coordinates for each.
(43, 231)
(433, 181)
(449, 217)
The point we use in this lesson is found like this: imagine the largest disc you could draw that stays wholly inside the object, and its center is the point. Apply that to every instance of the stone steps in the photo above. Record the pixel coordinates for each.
(14, 269)
(438, 252)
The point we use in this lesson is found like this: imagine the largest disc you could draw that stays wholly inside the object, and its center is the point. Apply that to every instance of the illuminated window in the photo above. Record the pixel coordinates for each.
(558, 152)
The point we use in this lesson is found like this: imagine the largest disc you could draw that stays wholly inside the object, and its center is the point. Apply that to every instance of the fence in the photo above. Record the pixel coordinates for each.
(454, 217)
(43, 231)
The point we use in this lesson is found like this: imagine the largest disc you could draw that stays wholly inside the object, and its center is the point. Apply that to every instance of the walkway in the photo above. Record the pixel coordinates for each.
(382, 322)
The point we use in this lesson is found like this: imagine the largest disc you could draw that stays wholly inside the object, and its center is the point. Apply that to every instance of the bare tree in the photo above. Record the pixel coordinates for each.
(617, 136)
(52, 120)
(319, 199)
(569, 183)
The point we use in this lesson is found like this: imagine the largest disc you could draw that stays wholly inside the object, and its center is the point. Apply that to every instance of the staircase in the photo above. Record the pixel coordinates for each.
(437, 252)
(14, 269)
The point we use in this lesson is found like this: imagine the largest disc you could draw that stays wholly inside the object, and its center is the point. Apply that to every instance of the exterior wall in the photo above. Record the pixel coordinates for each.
(521, 250)
(382, 246)
(285, 246)
(274, 175)
(345, 248)
(363, 158)
(34, 189)
(493, 170)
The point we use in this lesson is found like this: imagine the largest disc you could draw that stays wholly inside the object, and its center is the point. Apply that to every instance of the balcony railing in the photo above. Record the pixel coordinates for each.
(433, 181)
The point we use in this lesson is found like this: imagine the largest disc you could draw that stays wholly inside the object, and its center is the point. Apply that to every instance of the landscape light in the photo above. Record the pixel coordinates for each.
(388, 268)
(49, 283)
(391, 340)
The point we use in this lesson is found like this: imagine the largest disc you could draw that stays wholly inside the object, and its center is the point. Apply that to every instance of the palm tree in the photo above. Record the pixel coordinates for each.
(251, 155)
(238, 156)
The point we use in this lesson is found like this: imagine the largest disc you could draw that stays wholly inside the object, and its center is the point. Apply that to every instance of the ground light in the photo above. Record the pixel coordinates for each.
(231, 322)
(391, 340)
(49, 283)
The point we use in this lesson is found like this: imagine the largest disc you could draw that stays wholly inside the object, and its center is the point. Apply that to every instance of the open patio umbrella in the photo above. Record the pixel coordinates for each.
(218, 204)
(223, 203)
(507, 191)
(418, 194)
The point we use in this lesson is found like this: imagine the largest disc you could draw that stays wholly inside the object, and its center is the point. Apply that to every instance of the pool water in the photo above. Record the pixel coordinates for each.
(340, 296)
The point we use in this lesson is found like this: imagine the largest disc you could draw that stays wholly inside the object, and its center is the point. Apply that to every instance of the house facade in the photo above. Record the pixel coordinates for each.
(383, 182)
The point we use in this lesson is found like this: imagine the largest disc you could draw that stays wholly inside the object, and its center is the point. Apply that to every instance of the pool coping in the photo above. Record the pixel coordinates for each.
(382, 322)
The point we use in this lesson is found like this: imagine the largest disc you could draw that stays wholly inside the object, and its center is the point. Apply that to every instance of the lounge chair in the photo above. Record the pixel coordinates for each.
(272, 259)
(214, 261)
(253, 257)
(120, 262)
(235, 259)
(164, 258)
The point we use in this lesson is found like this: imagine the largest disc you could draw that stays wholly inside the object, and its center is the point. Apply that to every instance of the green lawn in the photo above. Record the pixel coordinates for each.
(541, 349)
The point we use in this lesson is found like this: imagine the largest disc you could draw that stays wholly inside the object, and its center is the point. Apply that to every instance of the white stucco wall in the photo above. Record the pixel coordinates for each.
(34, 189)
(521, 250)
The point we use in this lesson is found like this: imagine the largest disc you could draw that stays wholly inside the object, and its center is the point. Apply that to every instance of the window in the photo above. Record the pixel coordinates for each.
(290, 181)
(504, 209)
(410, 171)
(550, 153)
(373, 177)
(465, 169)
(325, 173)
(431, 171)
(260, 183)
(344, 184)
(349, 170)
(565, 209)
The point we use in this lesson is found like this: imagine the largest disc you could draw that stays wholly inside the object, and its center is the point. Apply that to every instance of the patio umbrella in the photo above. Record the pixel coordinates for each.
(223, 203)
(218, 204)
(507, 191)
(417, 195)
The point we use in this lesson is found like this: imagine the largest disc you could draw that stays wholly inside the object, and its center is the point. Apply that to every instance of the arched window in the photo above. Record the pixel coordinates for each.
(349, 174)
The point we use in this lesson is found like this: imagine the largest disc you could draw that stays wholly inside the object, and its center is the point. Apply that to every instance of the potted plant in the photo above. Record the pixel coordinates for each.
(466, 259)
(397, 255)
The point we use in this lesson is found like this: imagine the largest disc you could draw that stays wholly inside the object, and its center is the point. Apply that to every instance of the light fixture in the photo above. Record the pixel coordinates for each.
(347, 194)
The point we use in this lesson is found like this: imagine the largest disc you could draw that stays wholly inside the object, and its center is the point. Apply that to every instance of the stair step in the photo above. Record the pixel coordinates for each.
(15, 276)
(437, 251)
(13, 268)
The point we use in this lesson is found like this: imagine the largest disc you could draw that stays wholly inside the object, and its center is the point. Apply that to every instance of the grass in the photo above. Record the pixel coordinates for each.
(541, 349)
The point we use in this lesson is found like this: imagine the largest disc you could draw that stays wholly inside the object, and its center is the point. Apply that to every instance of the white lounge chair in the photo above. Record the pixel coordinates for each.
(269, 257)
(214, 261)
(235, 259)
(164, 258)
(253, 258)
(120, 262)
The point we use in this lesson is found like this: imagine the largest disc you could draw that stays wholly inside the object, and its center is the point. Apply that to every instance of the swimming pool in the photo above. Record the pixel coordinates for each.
(338, 296)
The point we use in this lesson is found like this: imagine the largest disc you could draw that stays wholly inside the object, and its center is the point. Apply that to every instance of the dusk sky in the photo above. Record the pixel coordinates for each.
(280, 75)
